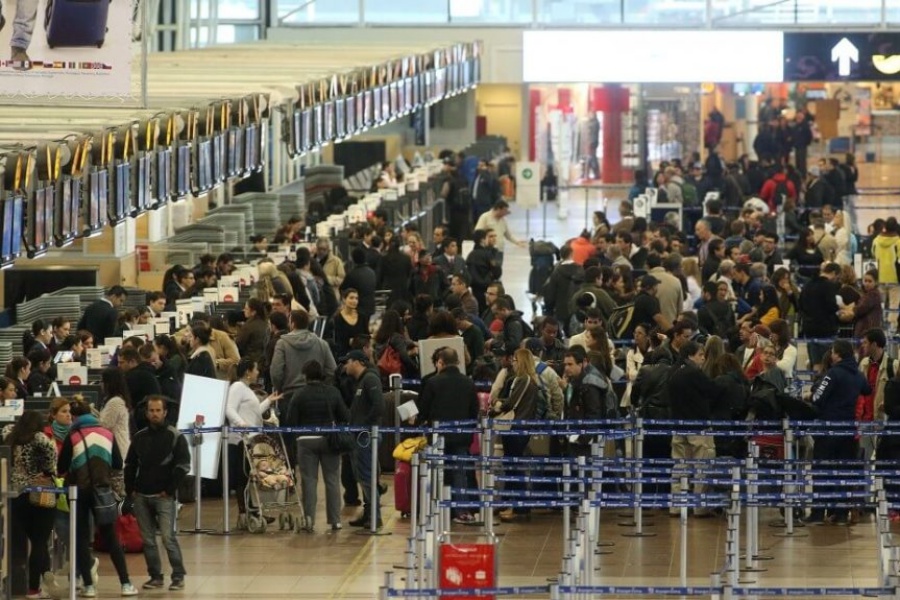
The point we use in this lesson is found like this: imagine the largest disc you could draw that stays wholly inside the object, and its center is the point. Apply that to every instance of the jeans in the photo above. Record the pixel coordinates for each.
(311, 453)
(84, 531)
(31, 527)
(458, 479)
(362, 470)
(515, 445)
(154, 512)
(23, 25)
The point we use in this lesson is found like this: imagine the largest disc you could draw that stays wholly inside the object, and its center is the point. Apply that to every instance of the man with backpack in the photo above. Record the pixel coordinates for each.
(515, 329)
(549, 380)
(777, 189)
(588, 396)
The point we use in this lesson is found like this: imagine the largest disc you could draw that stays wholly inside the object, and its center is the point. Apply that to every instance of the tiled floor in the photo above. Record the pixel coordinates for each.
(347, 565)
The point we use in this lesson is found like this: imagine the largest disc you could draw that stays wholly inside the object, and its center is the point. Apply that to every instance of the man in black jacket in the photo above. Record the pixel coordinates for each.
(366, 410)
(451, 396)
(835, 398)
(690, 394)
(566, 277)
(158, 459)
(101, 317)
(818, 310)
(362, 279)
(584, 394)
(484, 263)
(140, 373)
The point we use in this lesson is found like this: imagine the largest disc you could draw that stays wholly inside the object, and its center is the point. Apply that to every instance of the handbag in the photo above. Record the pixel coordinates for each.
(389, 362)
(105, 508)
(501, 421)
(42, 499)
(404, 450)
(339, 441)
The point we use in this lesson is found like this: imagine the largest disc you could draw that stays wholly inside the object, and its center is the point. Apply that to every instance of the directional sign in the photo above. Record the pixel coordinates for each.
(843, 53)
(841, 56)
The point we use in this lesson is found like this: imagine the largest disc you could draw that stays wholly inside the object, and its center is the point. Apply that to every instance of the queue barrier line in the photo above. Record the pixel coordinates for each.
(631, 590)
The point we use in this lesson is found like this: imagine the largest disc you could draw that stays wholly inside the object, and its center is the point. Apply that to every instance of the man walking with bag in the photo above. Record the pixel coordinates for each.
(158, 459)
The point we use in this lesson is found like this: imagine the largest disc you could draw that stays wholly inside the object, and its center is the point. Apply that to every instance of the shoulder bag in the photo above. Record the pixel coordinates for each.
(340, 442)
(105, 506)
(501, 421)
(42, 499)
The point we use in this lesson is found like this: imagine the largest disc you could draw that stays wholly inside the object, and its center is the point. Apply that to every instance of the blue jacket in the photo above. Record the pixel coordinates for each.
(835, 396)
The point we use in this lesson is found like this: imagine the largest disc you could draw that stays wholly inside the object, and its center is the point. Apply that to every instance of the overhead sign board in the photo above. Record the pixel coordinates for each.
(841, 56)
(655, 56)
(720, 56)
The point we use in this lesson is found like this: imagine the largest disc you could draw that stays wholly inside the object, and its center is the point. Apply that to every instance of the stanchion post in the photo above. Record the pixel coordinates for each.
(226, 483)
(197, 444)
(790, 482)
(374, 498)
(73, 541)
(638, 457)
(683, 518)
(487, 443)
(567, 510)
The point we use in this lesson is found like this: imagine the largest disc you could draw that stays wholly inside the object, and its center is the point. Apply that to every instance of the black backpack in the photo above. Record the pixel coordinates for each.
(781, 192)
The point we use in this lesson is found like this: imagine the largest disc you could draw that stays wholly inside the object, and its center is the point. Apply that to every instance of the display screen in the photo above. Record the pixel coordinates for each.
(17, 218)
(183, 170)
(328, 133)
(6, 235)
(217, 159)
(376, 105)
(63, 230)
(392, 105)
(75, 206)
(251, 154)
(360, 111)
(122, 206)
(102, 197)
(204, 173)
(306, 129)
(38, 222)
(349, 116)
(163, 175)
(233, 152)
(319, 120)
(297, 130)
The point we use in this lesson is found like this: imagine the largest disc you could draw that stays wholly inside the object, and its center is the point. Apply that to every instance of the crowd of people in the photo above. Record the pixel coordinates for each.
(696, 327)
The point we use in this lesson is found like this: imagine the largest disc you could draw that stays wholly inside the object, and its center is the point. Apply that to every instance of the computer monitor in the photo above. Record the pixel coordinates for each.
(328, 125)
(163, 177)
(183, 170)
(143, 196)
(217, 159)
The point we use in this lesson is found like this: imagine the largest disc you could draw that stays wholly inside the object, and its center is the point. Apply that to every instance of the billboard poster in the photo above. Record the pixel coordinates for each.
(80, 48)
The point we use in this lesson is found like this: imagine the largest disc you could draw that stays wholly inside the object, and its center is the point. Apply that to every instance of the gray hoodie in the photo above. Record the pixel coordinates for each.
(292, 352)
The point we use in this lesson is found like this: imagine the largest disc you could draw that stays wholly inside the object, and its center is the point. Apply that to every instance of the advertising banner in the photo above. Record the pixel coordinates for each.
(71, 48)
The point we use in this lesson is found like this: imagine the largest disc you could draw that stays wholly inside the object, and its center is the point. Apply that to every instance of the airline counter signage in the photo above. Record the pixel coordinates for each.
(841, 56)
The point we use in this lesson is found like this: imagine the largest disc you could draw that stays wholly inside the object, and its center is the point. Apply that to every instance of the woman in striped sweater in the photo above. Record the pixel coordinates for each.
(87, 457)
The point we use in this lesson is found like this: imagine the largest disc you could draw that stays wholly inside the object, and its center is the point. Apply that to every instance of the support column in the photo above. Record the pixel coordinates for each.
(611, 101)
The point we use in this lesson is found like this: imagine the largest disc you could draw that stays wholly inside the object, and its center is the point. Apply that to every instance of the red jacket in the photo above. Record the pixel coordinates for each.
(582, 250)
(768, 189)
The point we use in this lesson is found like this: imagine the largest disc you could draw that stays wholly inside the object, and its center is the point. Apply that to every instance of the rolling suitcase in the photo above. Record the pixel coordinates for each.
(403, 488)
(76, 23)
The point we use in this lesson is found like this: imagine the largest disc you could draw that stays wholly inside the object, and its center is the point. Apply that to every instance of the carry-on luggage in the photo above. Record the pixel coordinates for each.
(403, 488)
(127, 532)
(76, 23)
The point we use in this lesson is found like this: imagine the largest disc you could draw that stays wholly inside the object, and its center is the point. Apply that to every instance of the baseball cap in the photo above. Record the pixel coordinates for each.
(534, 345)
(648, 281)
(357, 355)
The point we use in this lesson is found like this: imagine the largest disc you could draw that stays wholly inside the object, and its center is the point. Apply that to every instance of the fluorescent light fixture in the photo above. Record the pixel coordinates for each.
(653, 56)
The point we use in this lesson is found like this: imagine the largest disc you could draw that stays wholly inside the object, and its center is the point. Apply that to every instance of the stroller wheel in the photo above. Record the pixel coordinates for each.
(256, 524)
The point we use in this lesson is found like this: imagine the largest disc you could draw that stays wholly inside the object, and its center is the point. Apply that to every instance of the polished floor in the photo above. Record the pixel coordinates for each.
(347, 565)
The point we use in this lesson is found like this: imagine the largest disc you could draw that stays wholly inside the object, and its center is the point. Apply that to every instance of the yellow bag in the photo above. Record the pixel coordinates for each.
(62, 500)
(405, 449)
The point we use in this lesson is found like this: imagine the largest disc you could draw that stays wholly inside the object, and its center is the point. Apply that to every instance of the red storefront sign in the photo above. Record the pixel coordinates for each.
(467, 566)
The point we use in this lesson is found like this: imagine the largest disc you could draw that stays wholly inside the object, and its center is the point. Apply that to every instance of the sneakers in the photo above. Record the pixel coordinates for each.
(154, 583)
(894, 516)
(129, 590)
(88, 591)
(35, 594)
(336, 527)
(21, 59)
(465, 519)
(177, 584)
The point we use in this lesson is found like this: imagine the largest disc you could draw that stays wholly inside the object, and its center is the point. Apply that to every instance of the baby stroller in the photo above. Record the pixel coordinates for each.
(270, 483)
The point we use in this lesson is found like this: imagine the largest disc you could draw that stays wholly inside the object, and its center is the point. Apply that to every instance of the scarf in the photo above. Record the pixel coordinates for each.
(60, 431)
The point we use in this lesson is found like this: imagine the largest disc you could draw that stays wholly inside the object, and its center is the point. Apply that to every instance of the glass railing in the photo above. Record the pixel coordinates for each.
(671, 13)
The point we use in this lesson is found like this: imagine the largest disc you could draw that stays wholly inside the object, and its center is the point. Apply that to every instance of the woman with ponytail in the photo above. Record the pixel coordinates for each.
(243, 409)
